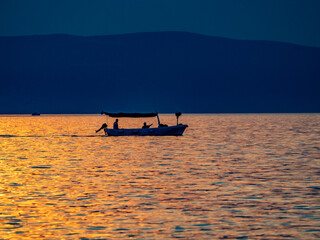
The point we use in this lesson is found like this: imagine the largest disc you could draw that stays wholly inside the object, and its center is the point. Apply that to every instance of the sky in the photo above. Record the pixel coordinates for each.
(293, 21)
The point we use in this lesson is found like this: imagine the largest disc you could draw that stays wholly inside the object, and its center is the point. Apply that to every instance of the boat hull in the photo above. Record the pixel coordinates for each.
(160, 131)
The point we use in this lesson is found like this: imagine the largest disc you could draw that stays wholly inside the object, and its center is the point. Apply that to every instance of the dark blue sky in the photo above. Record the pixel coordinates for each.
(295, 21)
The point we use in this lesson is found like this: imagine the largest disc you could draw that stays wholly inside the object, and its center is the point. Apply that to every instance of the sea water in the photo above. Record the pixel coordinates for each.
(236, 176)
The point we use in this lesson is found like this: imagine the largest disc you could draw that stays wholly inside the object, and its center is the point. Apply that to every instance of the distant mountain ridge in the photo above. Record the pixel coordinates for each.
(163, 71)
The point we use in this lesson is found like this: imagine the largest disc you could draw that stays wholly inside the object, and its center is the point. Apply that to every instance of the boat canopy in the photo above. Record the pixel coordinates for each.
(130, 115)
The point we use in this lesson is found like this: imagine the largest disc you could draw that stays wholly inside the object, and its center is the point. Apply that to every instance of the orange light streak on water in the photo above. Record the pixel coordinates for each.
(236, 176)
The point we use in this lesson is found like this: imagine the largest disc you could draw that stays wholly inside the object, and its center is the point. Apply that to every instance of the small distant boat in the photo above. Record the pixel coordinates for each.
(161, 130)
(35, 114)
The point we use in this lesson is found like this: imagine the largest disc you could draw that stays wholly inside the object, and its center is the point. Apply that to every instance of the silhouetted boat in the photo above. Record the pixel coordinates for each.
(161, 130)
(35, 114)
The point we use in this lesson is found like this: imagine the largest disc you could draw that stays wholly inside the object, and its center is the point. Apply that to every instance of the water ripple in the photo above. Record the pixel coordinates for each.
(245, 177)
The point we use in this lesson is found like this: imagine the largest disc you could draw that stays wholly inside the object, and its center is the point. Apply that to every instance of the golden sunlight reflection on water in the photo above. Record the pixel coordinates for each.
(230, 176)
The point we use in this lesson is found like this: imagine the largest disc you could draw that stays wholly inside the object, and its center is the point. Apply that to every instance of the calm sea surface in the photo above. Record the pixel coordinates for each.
(249, 176)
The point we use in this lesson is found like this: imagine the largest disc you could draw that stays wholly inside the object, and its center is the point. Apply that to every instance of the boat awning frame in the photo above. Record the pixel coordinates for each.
(130, 115)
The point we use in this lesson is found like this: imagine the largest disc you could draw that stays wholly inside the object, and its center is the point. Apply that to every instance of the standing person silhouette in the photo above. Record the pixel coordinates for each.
(115, 124)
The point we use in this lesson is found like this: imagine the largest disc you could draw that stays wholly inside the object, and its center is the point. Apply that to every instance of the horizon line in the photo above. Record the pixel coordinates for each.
(169, 113)
(153, 32)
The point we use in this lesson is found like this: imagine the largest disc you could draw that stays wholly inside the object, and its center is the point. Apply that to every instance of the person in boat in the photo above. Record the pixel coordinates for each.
(146, 126)
(115, 124)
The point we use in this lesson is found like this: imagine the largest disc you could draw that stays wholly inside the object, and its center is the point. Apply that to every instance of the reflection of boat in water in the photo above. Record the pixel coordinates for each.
(161, 130)
(35, 114)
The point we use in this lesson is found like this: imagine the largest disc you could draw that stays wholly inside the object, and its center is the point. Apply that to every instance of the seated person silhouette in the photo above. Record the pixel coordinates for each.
(146, 126)
(115, 124)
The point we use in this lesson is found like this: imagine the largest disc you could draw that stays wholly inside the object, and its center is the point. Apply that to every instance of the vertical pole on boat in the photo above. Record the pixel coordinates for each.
(178, 114)
(158, 120)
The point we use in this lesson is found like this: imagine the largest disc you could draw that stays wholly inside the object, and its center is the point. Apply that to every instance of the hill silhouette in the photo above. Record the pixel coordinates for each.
(163, 71)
